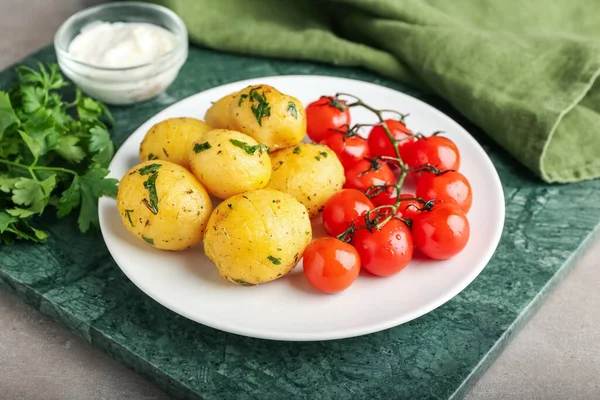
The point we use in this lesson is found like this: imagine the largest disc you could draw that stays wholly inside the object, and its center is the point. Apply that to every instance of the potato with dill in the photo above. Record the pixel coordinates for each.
(311, 173)
(269, 116)
(257, 236)
(164, 205)
(171, 139)
(228, 163)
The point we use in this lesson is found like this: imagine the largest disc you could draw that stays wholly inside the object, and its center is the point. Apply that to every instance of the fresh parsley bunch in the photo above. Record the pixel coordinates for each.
(53, 154)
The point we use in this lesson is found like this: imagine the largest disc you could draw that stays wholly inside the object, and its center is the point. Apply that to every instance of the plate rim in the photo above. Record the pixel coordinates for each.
(338, 333)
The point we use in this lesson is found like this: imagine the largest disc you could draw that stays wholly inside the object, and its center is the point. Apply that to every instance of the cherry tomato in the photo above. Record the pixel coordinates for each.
(343, 208)
(325, 116)
(447, 187)
(365, 174)
(408, 208)
(380, 144)
(385, 196)
(387, 251)
(331, 265)
(349, 150)
(438, 151)
(442, 232)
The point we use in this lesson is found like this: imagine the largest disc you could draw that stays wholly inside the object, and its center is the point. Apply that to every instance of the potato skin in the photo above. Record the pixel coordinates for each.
(311, 173)
(183, 206)
(226, 169)
(257, 236)
(217, 115)
(285, 124)
(171, 139)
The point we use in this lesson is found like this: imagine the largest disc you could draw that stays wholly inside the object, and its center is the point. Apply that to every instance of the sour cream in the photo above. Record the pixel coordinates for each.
(121, 44)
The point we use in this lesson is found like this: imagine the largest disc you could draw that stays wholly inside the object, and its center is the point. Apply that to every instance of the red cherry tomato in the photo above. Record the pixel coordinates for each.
(385, 252)
(343, 208)
(442, 232)
(448, 187)
(438, 151)
(331, 265)
(408, 208)
(380, 144)
(383, 196)
(365, 174)
(349, 150)
(325, 116)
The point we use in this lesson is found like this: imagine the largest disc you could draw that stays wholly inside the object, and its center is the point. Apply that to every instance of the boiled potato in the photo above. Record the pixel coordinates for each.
(270, 117)
(164, 205)
(171, 140)
(257, 236)
(217, 115)
(311, 173)
(228, 163)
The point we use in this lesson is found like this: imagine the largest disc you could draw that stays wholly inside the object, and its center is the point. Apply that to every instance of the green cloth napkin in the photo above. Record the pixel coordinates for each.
(524, 71)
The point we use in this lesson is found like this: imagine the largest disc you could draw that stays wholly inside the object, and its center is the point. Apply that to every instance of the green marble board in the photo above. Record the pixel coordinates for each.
(73, 279)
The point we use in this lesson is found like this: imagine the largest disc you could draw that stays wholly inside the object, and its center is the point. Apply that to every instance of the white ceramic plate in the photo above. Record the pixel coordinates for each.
(289, 308)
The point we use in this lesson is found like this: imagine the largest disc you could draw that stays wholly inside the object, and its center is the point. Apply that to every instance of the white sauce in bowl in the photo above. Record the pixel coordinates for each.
(121, 44)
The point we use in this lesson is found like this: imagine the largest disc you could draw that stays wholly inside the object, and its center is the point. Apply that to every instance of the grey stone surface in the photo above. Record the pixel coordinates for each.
(556, 356)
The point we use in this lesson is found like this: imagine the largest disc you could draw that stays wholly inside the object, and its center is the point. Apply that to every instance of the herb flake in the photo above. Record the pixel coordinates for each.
(274, 260)
(297, 150)
(150, 185)
(260, 108)
(321, 154)
(148, 240)
(128, 215)
(150, 169)
(292, 109)
(249, 149)
(199, 147)
(242, 98)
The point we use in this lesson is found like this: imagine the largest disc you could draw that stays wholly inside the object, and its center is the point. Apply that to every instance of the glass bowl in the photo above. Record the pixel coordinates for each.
(121, 86)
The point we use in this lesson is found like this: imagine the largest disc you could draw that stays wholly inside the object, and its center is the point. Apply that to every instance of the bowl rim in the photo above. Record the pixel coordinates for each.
(182, 36)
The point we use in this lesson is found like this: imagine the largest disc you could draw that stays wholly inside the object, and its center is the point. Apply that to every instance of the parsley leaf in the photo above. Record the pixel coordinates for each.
(262, 108)
(67, 148)
(249, 149)
(274, 260)
(7, 183)
(150, 169)
(150, 184)
(101, 144)
(6, 220)
(321, 154)
(128, 215)
(49, 156)
(20, 212)
(7, 114)
(199, 147)
(33, 98)
(292, 109)
(85, 191)
(33, 194)
(242, 98)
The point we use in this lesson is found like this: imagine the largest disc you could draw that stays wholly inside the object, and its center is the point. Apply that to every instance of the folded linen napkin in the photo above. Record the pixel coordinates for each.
(524, 71)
